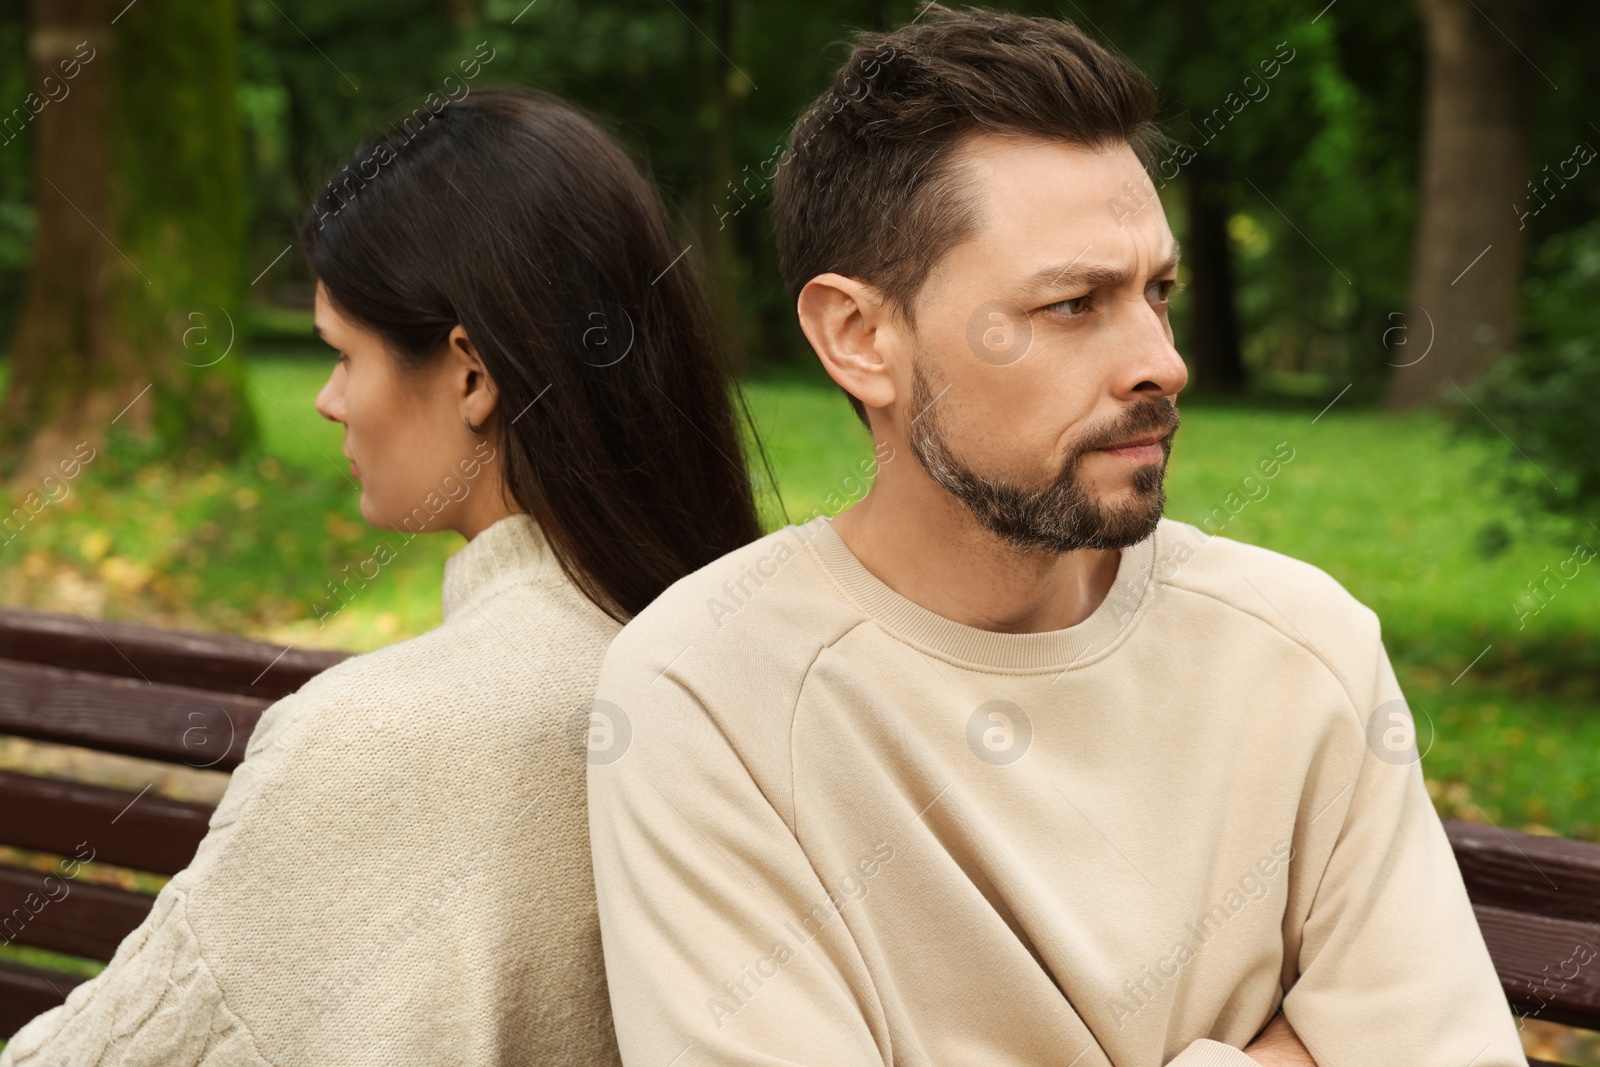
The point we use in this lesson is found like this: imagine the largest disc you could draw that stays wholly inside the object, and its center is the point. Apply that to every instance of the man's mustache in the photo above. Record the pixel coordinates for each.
(1159, 416)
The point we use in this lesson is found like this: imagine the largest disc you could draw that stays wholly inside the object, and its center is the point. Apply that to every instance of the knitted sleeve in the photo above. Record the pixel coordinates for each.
(156, 1002)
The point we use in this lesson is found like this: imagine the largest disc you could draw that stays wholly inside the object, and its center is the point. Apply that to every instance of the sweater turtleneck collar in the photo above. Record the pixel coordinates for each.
(508, 551)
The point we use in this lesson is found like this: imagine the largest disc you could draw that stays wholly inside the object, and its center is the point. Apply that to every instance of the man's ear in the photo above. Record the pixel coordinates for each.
(854, 333)
(479, 398)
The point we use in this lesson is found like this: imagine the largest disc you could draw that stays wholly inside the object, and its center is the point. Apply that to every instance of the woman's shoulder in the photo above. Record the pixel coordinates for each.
(506, 665)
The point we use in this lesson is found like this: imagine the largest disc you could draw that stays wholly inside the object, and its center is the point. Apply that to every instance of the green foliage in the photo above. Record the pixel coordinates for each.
(1542, 399)
(1318, 162)
(648, 70)
(314, 77)
(1321, 171)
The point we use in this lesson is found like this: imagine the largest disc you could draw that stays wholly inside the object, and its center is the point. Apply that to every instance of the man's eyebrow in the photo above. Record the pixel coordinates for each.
(1093, 275)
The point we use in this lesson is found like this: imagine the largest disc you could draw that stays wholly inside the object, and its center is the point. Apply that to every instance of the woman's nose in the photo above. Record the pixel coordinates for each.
(330, 399)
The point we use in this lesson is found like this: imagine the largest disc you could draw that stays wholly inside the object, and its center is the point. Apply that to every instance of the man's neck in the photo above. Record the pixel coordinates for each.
(923, 544)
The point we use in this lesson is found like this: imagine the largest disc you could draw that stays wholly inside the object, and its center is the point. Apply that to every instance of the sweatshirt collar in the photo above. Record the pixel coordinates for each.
(509, 551)
(1059, 650)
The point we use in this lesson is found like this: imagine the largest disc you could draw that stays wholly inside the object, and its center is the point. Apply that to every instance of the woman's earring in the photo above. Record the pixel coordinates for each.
(474, 429)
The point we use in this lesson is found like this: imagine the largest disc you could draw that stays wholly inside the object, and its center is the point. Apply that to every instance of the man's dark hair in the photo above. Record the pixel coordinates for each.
(866, 189)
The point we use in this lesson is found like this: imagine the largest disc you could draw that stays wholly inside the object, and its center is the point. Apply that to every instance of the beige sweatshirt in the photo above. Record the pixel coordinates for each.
(832, 827)
(398, 872)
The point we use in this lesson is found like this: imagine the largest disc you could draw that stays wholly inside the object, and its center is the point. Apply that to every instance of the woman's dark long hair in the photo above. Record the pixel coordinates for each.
(511, 213)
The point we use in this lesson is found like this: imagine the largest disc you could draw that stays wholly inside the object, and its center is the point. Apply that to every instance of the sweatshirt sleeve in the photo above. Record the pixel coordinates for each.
(1207, 1053)
(701, 885)
(1392, 965)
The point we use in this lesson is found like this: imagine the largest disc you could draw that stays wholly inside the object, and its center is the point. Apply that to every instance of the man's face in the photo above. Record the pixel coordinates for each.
(1042, 344)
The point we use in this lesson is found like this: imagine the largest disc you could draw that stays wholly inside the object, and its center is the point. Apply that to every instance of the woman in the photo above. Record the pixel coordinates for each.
(399, 872)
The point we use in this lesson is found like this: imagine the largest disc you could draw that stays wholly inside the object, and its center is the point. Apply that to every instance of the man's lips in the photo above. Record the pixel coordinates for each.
(1146, 449)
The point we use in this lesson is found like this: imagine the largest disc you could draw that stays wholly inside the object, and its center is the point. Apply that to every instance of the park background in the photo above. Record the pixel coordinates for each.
(1391, 260)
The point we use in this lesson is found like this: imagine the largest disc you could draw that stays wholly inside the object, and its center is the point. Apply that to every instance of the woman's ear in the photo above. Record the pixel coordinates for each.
(854, 333)
(479, 397)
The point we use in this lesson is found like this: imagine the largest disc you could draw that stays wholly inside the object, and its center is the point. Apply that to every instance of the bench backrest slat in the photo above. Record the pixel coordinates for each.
(1550, 876)
(50, 910)
(133, 650)
(128, 716)
(134, 690)
(148, 832)
(1538, 904)
(1543, 967)
(27, 991)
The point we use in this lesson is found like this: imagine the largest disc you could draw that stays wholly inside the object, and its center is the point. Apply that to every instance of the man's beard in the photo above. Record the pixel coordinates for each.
(1062, 516)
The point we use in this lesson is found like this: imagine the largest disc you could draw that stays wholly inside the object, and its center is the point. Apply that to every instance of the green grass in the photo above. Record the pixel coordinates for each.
(1389, 505)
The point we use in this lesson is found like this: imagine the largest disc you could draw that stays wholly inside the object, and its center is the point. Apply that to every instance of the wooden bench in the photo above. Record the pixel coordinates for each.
(1538, 905)
(180, 698)
(193, 699)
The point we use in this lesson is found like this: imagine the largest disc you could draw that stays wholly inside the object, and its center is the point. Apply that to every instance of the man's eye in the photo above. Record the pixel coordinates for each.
(1162, 291)
(1076, 307)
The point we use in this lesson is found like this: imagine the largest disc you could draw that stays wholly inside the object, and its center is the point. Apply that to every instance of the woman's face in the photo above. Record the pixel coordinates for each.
(405, 434)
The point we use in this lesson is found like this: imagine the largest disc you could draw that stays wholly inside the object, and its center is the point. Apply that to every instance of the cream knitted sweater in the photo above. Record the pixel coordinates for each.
(399, 871)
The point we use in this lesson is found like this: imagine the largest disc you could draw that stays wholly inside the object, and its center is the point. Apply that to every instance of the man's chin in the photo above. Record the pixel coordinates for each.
(1103, 524)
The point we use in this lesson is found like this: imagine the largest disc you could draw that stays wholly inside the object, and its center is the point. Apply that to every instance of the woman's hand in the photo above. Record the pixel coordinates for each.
(1279, 1046)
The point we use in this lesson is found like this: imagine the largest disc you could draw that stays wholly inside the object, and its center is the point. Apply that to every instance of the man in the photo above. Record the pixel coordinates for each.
(999, 766)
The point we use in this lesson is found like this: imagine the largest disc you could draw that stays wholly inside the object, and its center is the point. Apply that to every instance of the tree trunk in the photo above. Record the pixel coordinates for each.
(1214, 321)
(66, 310)
(136, 278)
(1467, 261)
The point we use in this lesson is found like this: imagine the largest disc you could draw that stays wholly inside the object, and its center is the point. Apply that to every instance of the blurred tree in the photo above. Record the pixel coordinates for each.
(1297, 213)
(135, 283)
(1467, 259)
(1537, 407)
(716, 79)
(1214, 348)
(1292, 188)
(316, 77)
(16, 166)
